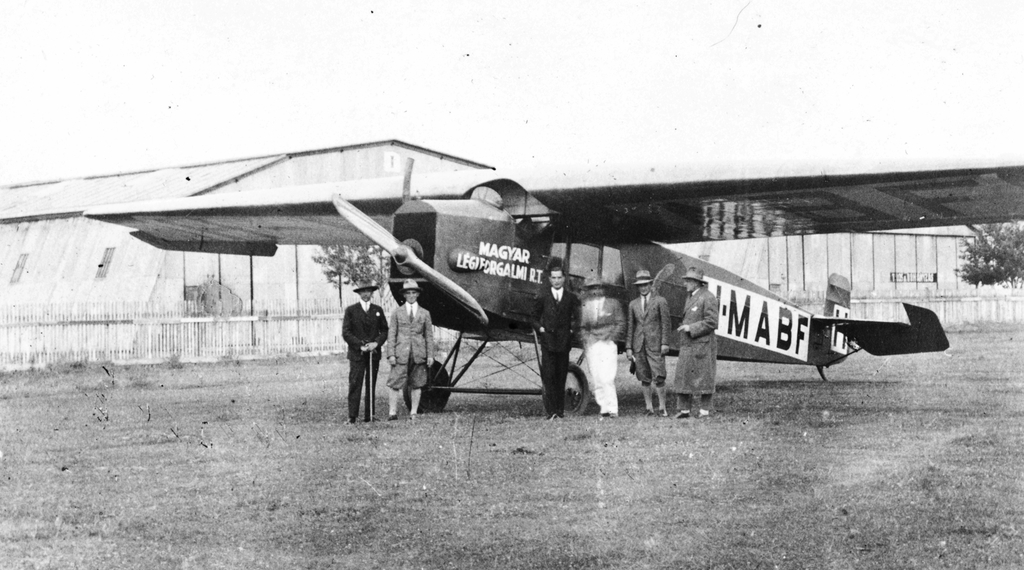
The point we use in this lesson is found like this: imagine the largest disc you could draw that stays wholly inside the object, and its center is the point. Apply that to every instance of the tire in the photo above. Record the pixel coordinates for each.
(431, 401)
(577, 391)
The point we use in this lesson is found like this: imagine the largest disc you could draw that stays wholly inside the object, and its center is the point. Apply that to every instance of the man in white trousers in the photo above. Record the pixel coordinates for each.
(602, 323)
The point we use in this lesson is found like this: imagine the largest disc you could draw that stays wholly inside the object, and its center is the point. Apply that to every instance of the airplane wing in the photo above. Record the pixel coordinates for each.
(668, 204)
(885, 338)
(688, 203)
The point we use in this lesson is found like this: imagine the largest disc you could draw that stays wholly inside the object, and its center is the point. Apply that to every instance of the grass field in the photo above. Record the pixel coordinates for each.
(902, 462)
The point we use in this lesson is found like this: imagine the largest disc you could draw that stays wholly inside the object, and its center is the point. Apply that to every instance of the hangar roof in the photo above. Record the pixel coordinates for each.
(62, 198)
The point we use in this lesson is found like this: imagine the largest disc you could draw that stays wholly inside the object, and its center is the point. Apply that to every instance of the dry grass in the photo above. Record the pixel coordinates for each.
(908, 462)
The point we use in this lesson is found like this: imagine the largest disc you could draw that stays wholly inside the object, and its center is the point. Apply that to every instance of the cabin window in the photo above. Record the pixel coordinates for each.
(611, 267)
(584, 260)
(19, 268)
(488, 196)
(108, 256)
(558, 250)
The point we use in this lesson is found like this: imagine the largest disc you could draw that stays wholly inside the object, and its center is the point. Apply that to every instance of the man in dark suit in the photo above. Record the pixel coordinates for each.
(556, 316)
(364, 328)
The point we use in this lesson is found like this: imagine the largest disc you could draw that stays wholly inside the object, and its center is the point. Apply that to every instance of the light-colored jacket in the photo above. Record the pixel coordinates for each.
(602, 319)
(410, 339)
(652, 327)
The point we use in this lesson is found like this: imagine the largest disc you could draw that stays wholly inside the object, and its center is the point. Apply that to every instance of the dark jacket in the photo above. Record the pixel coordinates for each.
(359, 327)
(560, 320)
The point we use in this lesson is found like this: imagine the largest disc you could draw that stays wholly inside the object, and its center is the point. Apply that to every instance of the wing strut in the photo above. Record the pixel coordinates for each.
(404, 255)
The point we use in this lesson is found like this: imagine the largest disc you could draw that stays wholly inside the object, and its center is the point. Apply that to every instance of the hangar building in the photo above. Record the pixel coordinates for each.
(51, 255)
(73, 289)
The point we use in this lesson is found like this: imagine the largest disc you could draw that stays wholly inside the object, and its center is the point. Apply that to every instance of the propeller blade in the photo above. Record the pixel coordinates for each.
(404, 255)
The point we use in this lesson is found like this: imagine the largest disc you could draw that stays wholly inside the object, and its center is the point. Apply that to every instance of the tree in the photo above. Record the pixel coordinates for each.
(343, 264)
(996, 256)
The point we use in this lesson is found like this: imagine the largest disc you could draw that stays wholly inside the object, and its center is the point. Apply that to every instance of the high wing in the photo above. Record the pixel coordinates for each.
(669, 204)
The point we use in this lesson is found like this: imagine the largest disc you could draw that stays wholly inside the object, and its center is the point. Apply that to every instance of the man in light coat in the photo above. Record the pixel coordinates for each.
(602, 324)
(698, 346)
(409, 348)
(647, 336)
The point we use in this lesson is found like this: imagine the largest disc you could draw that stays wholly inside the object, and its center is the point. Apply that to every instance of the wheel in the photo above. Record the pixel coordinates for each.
(577, 391)
(431, 400)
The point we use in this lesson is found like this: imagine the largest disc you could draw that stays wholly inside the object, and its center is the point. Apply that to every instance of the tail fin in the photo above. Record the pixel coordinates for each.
(837, 304)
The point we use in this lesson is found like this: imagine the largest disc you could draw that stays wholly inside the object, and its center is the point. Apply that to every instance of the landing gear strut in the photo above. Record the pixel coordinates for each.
(442, 381)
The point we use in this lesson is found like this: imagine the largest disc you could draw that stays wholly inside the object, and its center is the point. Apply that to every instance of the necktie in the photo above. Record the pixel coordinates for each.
(643, 304)
(558, 295)
(412, 313)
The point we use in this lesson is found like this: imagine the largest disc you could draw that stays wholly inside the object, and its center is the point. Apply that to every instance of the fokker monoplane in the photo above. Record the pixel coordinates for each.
(479, 241)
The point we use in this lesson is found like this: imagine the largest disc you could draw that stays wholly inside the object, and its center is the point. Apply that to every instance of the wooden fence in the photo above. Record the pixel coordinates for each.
(36, 336)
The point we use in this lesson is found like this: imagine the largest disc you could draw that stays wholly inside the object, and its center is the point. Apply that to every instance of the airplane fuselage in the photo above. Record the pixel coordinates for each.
(501, 261)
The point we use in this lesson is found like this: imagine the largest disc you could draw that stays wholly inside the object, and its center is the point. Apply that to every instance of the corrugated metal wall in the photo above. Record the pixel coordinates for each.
(63, 254)
(62, 262)
(794, 264)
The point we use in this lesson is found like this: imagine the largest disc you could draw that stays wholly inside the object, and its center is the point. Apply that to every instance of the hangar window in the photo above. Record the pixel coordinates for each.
(19, 268)
(108, 255)
(392, 162)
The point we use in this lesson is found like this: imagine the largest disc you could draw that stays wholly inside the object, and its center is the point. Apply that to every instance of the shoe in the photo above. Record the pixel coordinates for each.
(649, 413)
(605, 415)
(412, 417)
(351, 420)
(392, 417)
(663, 413)
(613, 415)
(371, 419)
(682, 414)
(704, 413)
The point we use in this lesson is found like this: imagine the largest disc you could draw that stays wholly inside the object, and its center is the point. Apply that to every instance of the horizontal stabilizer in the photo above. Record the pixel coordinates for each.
(885, 338)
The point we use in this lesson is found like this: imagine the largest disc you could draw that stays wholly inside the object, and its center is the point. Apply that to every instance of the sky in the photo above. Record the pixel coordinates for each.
(105, 87)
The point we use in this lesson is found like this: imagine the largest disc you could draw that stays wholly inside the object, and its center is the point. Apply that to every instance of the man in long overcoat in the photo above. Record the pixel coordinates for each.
(698, 346)
(410, 349)
(647, 340)
(364, 329)
(556, 315)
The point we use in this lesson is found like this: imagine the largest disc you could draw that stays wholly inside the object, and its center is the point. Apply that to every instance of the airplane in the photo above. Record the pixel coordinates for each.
(479, 243)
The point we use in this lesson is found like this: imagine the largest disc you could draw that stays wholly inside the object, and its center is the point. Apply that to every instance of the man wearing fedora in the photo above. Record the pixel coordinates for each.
(647, 336)
(410, 347)
(698, 346)
(601, 325)
(556, 313)
(364, 329)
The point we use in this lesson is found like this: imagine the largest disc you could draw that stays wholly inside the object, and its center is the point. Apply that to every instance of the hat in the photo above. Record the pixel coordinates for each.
(695, 274)
(643, 277)
(410, 285)
(593, 281)
(365, 286)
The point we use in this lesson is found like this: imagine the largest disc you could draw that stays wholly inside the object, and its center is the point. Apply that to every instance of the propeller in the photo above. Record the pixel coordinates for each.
(404, 255)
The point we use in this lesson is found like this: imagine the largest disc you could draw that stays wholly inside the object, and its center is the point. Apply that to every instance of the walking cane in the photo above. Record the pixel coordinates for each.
(368, 383)
(373, 391)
